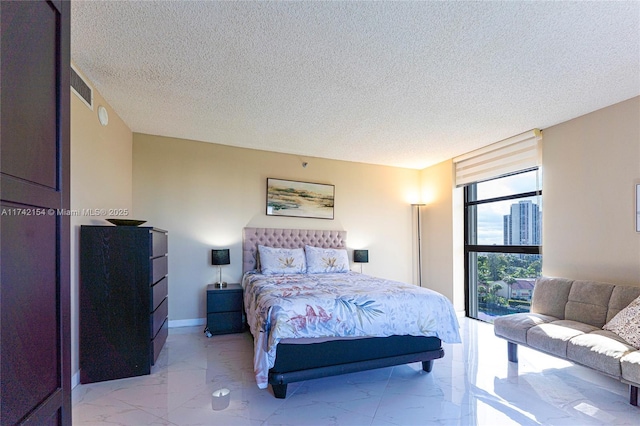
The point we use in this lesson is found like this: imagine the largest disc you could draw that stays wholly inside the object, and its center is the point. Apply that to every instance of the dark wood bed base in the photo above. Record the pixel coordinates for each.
(295, 363)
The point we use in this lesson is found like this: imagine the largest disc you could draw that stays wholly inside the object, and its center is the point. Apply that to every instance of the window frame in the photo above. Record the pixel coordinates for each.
(472, 250)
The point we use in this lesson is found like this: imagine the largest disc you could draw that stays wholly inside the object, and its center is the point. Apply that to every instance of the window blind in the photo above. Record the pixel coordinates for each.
(517, 153)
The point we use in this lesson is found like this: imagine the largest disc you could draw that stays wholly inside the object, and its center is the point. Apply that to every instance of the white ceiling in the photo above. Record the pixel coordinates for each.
(405, 84)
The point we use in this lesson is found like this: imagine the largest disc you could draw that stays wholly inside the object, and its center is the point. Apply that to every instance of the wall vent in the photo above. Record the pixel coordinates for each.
(81, 88)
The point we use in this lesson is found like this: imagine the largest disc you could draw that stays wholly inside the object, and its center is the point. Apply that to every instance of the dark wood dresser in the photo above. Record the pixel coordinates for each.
(123, 300)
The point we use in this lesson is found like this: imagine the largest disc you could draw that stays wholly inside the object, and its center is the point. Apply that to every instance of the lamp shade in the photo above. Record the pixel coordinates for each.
(220, 257)
(361, 256)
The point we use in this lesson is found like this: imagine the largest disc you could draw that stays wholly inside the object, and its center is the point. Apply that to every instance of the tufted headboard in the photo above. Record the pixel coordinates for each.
(286, 238)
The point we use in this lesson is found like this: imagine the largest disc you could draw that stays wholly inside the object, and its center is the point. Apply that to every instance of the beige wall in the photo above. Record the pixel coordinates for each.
(204, 194)
(590, 167)
(101, 178)
(442, 238)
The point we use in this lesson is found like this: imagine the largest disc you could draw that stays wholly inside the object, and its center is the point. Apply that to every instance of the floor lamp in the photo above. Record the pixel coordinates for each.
(418, 205)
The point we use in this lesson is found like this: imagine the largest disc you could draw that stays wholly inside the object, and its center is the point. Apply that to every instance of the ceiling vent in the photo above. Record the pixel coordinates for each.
(81, 88)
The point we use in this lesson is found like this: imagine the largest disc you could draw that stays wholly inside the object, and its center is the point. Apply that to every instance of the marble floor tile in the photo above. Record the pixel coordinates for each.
(473, 384)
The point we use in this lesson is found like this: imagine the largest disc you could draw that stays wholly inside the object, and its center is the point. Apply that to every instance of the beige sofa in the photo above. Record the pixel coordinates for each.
(566, 321)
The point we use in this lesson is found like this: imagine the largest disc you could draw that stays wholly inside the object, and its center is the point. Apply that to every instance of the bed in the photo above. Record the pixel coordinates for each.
(326, 320)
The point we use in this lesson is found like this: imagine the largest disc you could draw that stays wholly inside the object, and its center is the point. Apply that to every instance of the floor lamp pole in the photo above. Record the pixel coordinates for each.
(419, 246)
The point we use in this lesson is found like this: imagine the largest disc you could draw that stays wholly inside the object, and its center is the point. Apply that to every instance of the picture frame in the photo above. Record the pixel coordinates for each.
(300, 199)
(637, 207)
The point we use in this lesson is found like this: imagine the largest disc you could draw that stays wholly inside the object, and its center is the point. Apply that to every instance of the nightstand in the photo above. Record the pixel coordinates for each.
(224, 310)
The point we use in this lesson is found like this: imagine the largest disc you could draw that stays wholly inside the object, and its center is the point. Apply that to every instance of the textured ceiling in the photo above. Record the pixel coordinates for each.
(405, 84)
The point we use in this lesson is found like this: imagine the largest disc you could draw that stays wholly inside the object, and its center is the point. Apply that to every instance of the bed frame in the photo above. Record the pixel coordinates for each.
(298, 362)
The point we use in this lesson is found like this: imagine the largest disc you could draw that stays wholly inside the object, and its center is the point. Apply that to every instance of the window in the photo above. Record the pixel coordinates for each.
(503, 240)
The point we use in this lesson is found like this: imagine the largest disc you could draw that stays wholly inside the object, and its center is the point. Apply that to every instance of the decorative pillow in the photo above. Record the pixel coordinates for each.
(626, 323)
(281, 260)
(325, 260)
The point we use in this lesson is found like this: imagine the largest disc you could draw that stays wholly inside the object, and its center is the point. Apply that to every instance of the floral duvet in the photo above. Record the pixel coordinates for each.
(339, 305)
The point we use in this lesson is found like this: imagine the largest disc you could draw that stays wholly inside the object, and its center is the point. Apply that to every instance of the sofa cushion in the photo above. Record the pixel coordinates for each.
(514, 327)
(621, 297)
(550, 296)
(553, 337)
(588, 302)
(630, 364)
(600, 350)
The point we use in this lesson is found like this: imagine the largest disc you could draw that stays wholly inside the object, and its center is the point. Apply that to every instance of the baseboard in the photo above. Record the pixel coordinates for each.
(187, 322)
(75, 379)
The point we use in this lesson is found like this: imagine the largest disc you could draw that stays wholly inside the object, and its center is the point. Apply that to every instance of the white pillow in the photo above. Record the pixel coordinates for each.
(626, 323)
(281, 260)
(326, 260)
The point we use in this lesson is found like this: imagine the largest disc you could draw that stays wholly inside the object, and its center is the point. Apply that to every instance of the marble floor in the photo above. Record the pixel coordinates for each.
(472, 385)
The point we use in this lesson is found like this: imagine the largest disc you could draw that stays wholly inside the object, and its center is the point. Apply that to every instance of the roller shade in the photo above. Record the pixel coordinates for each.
(517, 153)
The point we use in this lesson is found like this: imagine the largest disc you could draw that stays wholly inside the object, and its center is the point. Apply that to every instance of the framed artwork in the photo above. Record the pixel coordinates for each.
(638, 207)
(299, 199)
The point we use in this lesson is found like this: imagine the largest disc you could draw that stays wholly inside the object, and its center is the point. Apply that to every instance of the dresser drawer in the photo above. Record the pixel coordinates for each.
(225, 322)
(224, 301)
(158, 316)
(159, 243)
(159, 292)
(160, 268)
(158, 341)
